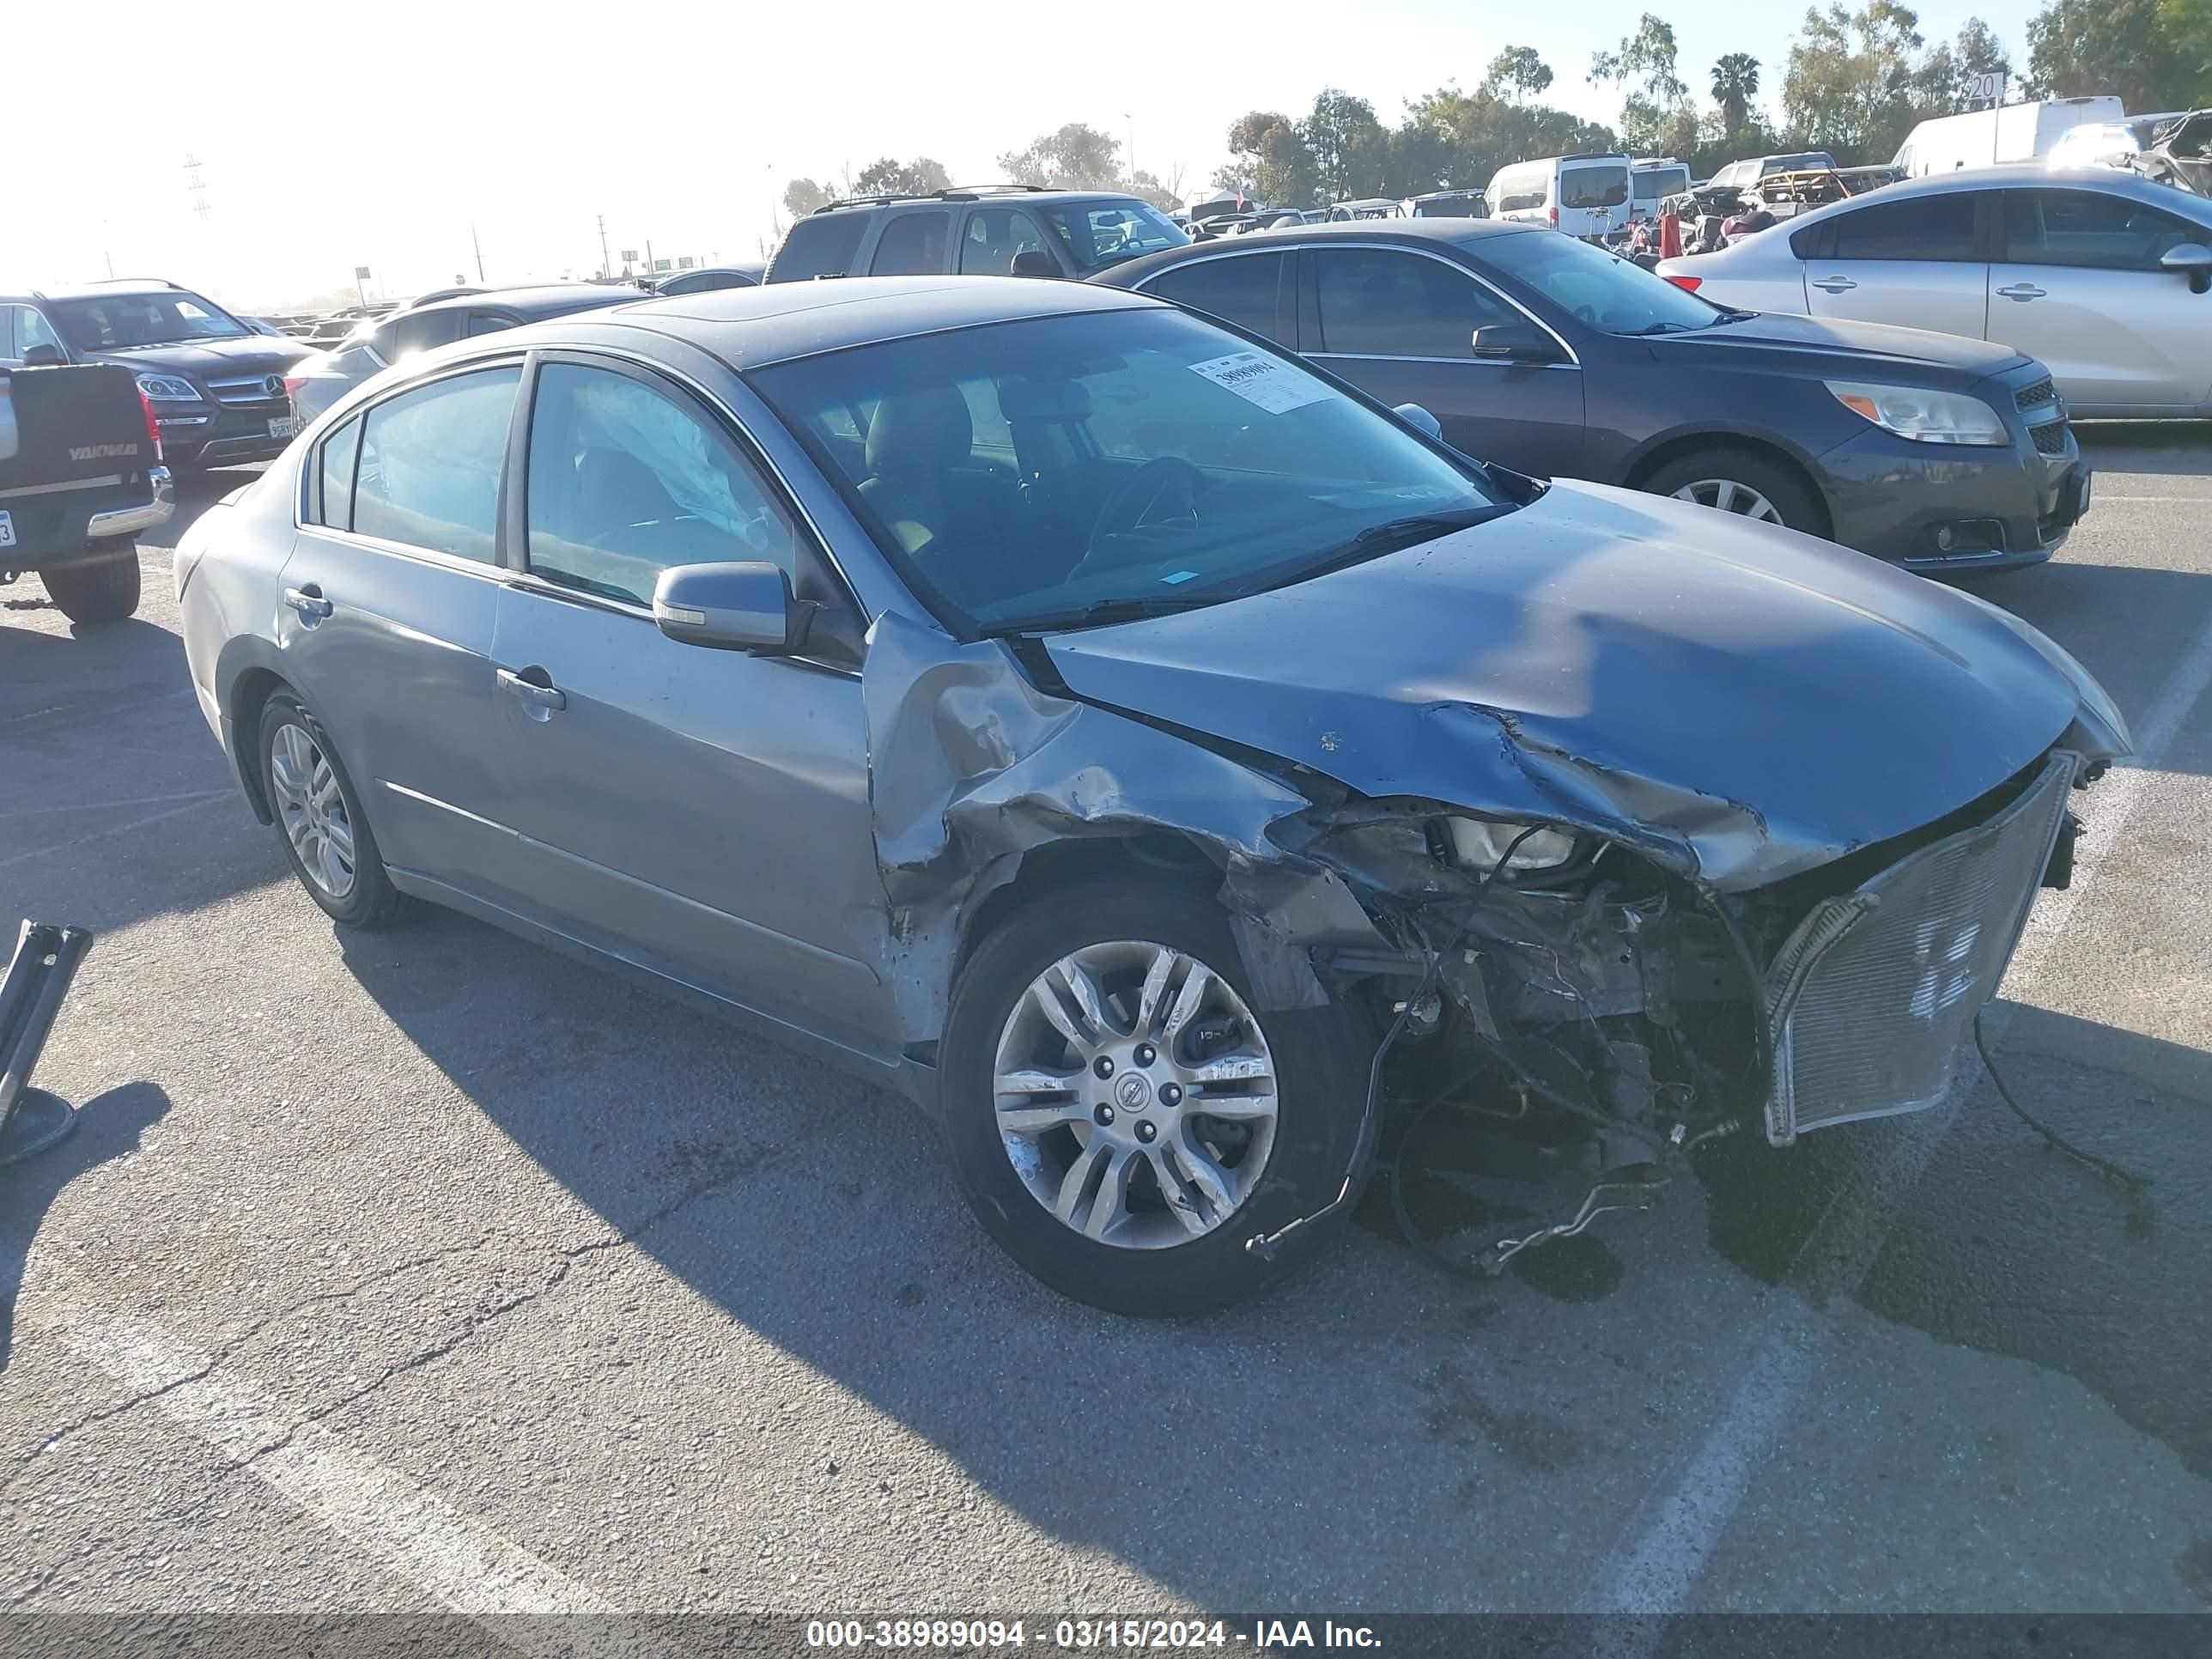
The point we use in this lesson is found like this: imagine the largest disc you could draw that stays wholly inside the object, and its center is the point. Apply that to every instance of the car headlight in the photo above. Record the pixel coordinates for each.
(1924, 417)
(1477, 844)
(168, 389)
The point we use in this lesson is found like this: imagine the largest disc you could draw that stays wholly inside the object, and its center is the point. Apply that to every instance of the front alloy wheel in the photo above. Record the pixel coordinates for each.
(1727, 495)
(1135, 1094)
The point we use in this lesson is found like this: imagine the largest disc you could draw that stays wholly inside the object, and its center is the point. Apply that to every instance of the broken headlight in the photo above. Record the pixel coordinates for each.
(1477, 844)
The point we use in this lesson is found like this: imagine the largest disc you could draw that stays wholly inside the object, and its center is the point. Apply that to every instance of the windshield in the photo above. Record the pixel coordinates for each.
(115, 322)
(1102, 233)
(1609, 294)
(1653, 182)
(1064, 470)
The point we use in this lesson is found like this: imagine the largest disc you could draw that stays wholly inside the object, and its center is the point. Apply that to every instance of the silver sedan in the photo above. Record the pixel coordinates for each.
(2105, 277)
(1144, 751)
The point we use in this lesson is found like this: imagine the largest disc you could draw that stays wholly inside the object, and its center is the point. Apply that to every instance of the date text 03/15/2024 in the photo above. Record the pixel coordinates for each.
(981, 1635)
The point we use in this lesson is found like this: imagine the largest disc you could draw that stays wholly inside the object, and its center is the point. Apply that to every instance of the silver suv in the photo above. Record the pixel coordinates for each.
(997, 230)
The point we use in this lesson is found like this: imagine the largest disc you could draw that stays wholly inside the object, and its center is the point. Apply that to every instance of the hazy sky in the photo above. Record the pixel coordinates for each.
(376, 134)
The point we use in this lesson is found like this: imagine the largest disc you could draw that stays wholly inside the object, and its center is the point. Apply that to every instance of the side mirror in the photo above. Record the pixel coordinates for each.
(1414, 415)
(45, 356)
(732, 607)
(1034, 262)
(1514, 343)
(2192, 260)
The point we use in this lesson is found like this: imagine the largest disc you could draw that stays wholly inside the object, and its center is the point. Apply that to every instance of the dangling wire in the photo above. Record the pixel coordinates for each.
(2135, 1185)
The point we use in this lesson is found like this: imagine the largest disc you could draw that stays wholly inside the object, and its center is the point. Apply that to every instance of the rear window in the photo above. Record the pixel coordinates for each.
(822, 245)
(1239, 289)
(1599, 186)
(1924, 228)
(1652, 183)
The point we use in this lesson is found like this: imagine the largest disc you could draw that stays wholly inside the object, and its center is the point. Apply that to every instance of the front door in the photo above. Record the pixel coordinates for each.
(1400, 325)
(702, 811)
(387, 609)
(1915, 262)
(2078, 285)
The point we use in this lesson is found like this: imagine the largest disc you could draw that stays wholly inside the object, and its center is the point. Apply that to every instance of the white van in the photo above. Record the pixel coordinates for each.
(1585, 195)
(1651, 181)
(2010, 132)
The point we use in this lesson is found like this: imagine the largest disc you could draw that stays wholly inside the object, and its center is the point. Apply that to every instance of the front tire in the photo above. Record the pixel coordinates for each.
(97, 591)
(1738, 482)
(326, 834)
(1120, 1115)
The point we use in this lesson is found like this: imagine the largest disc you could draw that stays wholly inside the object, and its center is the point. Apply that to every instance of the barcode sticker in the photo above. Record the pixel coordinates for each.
(1273, 386)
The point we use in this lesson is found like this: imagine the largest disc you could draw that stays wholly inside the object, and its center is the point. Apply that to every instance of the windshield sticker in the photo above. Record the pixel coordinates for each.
(1390, 493)
(1273, 386)
(1179, 576)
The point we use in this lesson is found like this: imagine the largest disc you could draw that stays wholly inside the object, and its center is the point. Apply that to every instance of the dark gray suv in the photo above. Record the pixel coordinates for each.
(1001, 230)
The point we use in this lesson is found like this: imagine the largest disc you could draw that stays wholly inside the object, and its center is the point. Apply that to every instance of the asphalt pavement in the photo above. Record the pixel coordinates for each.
(429, 1270)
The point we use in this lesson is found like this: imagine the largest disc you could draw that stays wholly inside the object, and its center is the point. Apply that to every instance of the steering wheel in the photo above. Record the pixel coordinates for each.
(1166, 487)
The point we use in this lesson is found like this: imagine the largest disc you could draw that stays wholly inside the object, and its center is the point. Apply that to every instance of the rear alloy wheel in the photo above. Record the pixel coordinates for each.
(97, 591)
(1738, 482)
(325, 836)
(1121, 1116)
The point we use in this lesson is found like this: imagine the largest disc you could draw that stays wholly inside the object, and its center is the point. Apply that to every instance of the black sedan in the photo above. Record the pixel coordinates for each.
(1551, 356)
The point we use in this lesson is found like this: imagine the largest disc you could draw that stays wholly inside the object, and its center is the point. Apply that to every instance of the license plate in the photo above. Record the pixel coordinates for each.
(7, 531)
(282, 426)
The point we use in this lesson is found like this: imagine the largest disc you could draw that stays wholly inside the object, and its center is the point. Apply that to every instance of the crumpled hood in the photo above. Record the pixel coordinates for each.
(1742, 702)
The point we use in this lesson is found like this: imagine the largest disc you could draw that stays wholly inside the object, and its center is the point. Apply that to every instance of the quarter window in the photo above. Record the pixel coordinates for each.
(1921, 228)
(822, 245)
(430, 462)
(912, 245)
(1377, 303)
(1239, 289)
(339, 450)
(625, 482)
(2088, 229)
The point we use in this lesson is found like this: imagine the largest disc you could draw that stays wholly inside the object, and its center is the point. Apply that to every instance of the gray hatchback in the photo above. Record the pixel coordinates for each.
(1134, 746)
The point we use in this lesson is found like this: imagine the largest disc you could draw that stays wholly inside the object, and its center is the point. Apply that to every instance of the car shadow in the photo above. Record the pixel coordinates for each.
(108, 1127)
(817, 1214)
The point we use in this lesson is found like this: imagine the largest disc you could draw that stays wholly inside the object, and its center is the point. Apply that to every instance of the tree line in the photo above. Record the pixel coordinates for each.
(1854, 84)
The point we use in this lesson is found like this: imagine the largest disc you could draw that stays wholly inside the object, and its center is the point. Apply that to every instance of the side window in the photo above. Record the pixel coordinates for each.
(422, 330)
(821, 245)
(994, 236)
(2088, 229)
(1920, 227)
(430, 462)
(1239, 289)
(1378, 303)
(625, 482)
(1517, 192)
(912, 245)
(486, 322)
(34, 331)
(10, 327)
(339, 450)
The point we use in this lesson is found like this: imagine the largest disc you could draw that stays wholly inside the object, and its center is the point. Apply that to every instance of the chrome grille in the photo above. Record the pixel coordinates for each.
(1867, 1000)
(248, 389)
(2050, 438)
(2034, 396)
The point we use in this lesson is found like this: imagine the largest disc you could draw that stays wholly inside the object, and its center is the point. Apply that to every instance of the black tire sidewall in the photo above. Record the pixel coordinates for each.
(1799, 509)
(372, 898)
(94, 591)
(1320, 1080)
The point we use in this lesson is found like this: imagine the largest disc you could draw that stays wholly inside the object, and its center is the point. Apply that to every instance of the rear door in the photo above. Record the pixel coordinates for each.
(1592, 198)
(1913, 263)
(705, 812)
(1400, 325)
(2078, 284)
(388, 603)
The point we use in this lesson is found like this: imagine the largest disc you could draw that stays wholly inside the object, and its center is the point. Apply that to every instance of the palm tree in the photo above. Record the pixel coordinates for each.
(1735, 83)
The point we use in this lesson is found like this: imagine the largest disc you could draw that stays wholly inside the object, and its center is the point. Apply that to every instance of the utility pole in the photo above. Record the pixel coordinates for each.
(606, 264)
(1130, 154)
(196, 187)
(476, 242)
(649, 257)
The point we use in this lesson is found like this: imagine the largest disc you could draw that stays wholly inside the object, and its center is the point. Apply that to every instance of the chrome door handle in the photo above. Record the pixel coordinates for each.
(1835, 284)
(537, 696)
(2022, 291)
(308, 601)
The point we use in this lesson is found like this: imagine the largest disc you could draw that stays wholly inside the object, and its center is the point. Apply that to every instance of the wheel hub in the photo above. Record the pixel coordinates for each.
(312, 809)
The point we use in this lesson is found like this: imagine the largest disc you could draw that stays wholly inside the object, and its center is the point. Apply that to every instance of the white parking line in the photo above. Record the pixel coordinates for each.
(116, 829)
(110, 805)
(1657, 1574)
(408, 1530)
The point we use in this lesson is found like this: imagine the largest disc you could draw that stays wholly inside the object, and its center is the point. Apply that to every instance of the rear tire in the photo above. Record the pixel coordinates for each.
(1746, 483)
(1177, 1253)
(324, 833)
(98, 590)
